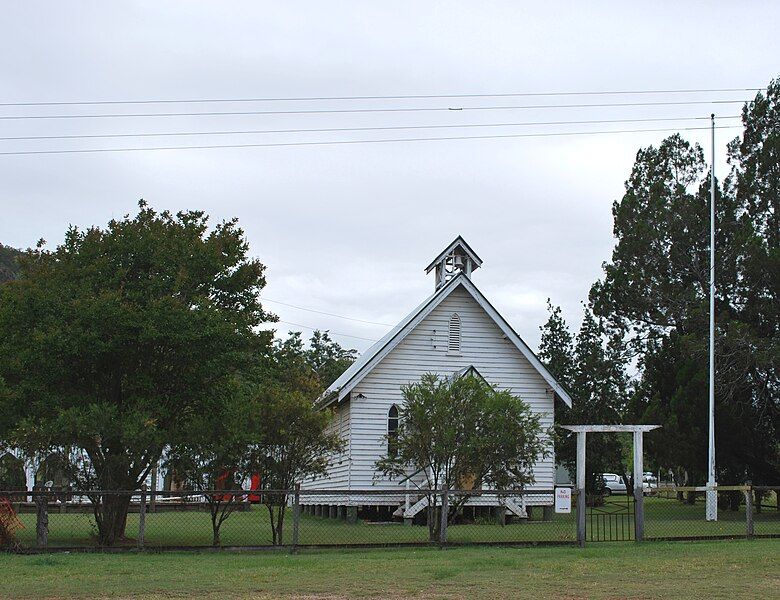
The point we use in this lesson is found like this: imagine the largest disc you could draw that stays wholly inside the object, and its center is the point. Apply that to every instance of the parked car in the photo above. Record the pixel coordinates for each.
(613, 484)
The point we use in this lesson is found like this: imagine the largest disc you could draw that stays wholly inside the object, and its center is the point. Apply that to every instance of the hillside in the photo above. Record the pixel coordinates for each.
(9, 267)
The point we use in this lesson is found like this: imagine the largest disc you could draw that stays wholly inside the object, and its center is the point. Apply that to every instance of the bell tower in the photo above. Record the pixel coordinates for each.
(456, 258)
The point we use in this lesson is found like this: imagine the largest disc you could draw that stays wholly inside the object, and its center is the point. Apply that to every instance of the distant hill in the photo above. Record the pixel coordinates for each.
(9, 264)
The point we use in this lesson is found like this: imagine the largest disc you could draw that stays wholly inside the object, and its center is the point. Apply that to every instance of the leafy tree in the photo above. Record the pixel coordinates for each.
(749, 354)
(110, 343)
(328, 358)
(462, 432)
(673, 392)
(289, 439)
(213, 454)
(286, 365)
(311, 369)
(12, 475)
(292, 442)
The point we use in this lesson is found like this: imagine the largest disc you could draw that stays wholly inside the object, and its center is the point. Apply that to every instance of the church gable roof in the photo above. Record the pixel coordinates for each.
(369, 359)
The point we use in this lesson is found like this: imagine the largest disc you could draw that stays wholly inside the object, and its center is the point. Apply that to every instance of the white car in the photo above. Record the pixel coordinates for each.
(613, 484)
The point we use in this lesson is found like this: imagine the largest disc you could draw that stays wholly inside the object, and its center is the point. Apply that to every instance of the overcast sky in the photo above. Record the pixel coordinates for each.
(348, 229)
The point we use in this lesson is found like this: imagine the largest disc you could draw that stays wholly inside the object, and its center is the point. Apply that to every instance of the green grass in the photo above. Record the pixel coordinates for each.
(664, 518)
(713, 569)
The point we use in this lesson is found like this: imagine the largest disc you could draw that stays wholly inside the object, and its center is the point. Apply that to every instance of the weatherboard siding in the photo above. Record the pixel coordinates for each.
(338, 470)
(424, 349)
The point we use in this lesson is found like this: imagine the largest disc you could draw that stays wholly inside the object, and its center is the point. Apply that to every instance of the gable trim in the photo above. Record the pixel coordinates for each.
(385, 346)
(512, 335)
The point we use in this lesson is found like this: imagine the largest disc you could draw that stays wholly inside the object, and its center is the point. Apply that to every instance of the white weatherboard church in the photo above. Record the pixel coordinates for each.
(453, 331)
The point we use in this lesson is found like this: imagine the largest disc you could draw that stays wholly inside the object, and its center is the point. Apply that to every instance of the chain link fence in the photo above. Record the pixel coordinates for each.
(743, 511)
(287, 519)
(292, 519)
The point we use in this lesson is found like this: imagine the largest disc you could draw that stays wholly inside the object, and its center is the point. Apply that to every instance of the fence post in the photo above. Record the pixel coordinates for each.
(581, 488)
(749, 511)
(296, 518)
(445, 506)
(142, 518)
(42, 519)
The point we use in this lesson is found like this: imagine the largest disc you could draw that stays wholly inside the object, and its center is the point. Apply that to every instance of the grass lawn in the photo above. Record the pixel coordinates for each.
(713, 569)
(664, 518)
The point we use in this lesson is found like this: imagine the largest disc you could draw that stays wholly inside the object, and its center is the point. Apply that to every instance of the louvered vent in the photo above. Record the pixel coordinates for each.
(454, 338)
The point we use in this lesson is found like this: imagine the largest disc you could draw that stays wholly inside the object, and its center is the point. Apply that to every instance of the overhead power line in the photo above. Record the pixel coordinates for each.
(348, 129)
(357, 337)
(346, 142)
(391, 97)
(370, 110)
(320, 312)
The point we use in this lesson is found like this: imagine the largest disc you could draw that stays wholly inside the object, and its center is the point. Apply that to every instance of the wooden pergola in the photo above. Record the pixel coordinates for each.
(638, 431)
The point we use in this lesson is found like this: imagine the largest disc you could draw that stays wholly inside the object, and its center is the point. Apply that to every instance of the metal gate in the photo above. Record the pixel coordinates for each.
(612, 521)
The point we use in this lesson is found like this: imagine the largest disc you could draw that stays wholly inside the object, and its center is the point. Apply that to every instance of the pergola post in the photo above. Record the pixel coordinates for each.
(639, 495)
(581, 488)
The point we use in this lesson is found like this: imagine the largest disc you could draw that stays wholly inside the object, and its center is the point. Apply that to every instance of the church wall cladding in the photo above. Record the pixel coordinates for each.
(362, 419)
(425, 350)
(338, 470)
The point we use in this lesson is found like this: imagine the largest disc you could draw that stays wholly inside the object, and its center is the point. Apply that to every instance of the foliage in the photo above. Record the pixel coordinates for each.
(112, 342)
(287, 435)
(327, 358)
(12, 475)
(654, 294)
(460, 432)
(212, 455)
(291, 442)
(592, 367)
(9, 263)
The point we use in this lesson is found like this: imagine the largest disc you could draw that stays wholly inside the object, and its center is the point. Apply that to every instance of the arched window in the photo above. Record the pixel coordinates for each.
(392, 431)
(453, 344)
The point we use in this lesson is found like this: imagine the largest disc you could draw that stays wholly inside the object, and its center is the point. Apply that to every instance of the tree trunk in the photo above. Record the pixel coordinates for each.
(684, 482)
(759, 497)
(280, 524)
(111, 518)
(215, 522)
(277, 523)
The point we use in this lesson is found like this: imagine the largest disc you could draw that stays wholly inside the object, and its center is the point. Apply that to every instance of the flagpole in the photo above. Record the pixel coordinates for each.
(712, 494)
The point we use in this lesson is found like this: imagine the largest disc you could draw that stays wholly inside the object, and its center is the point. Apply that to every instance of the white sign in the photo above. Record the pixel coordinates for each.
(563, 500)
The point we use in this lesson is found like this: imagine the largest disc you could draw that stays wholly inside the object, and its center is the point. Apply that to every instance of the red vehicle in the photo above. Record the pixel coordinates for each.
(226, 482)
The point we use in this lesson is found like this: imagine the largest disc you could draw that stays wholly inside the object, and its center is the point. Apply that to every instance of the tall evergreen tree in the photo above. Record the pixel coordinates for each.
(592, 367)
(655, 294)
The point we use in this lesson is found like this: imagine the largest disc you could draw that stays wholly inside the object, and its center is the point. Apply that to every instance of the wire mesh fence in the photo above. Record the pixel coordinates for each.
(680, 513)
(285, 519)
(292, 519)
